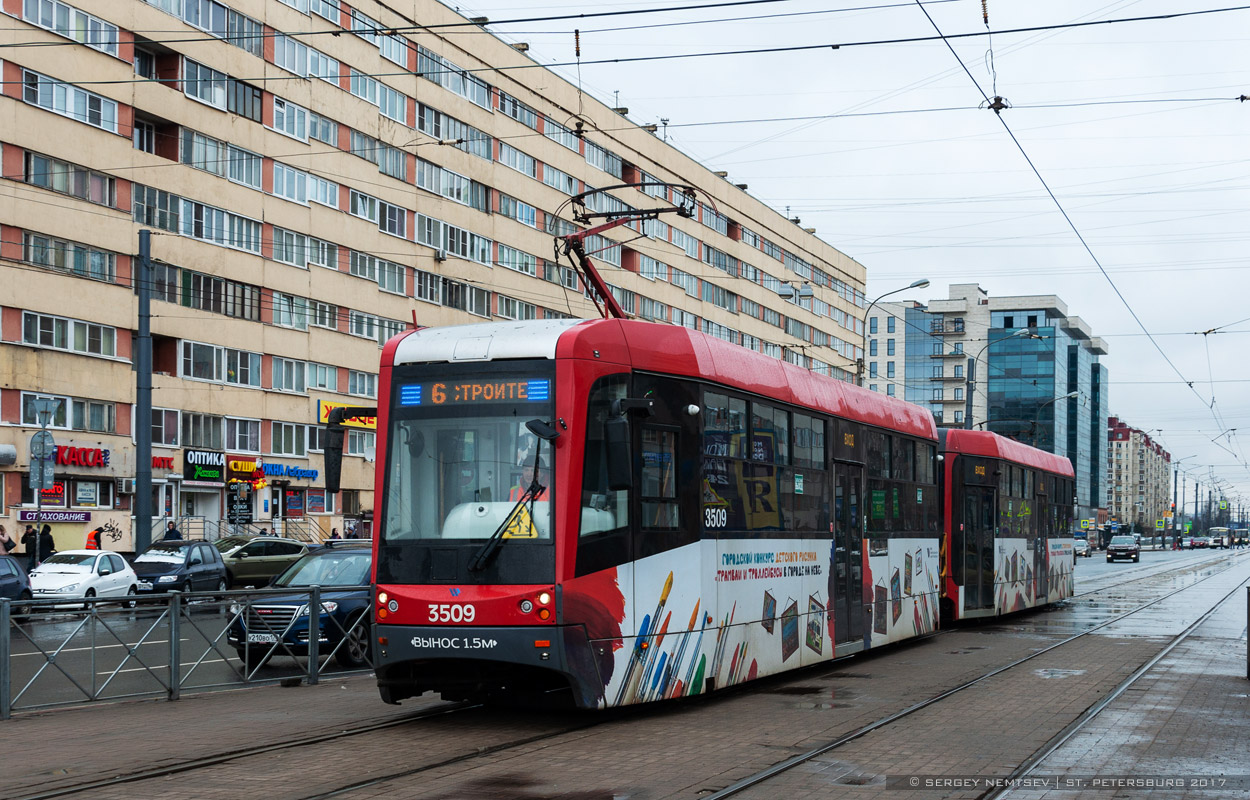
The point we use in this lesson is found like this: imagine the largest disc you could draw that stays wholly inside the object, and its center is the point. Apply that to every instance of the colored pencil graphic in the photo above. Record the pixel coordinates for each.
(696, 685)
(722, 641)
(655, 682)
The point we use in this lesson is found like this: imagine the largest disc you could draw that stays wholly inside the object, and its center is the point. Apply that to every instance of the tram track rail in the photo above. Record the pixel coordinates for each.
(1039, 755)
(1088, 715)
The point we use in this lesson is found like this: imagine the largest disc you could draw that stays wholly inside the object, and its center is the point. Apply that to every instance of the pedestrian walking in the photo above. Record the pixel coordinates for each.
(172, 532)
(334, 533)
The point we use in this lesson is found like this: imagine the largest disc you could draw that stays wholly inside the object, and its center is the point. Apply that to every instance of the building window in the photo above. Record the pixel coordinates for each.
(872, 347)
(291, 184)
(390, 277)
(872, 325)
(242, 435)
(165, 427)
(72, 24)
(325, 315)
(323, 377)
(204, 83)
(60, 412)
(144, 136)
(510, 308)
(362, 384)
(288, 375)
(959, 417)
(889, 369)
(290, 311)
(509, 156)
(363, 206)
(872, 387)
(290, 119)
(889, 324)
(206, 362)
(872, 369)
(361, 443)
(288, 439)
(517, 260)
(245, 100)
(959, 393)
(69, 101)
(937, 394)
(71, 179)
(44, 330)
(201, 430)
(392, 219)
(84, 261)
(291, 55)
(889, 345)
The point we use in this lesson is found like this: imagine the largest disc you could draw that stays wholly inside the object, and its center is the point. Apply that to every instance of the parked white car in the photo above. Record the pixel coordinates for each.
(80, 574)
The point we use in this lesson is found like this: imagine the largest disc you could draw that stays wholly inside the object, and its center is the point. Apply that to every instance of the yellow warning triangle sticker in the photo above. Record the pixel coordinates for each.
(521, 525)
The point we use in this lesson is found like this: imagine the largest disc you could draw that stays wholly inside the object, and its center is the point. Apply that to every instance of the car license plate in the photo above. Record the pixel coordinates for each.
(262, 638)
(145, 584)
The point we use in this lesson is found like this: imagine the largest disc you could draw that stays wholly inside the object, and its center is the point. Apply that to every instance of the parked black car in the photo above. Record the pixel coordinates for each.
(15, 585)
(277, 625)
(187, 565)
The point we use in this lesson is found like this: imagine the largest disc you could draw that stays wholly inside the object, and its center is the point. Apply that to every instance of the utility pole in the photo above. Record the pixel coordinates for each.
(142, 498)
(1176, 521)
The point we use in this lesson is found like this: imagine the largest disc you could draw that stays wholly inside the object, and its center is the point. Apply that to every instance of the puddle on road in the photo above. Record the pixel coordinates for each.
(1057, 673)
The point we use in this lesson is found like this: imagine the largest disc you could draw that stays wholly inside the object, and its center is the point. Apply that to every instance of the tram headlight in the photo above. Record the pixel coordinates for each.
(382, 598)
(526, 606)
(544, 599)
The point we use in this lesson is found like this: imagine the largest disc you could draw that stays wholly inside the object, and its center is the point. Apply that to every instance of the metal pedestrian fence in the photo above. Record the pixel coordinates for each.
(57, 652)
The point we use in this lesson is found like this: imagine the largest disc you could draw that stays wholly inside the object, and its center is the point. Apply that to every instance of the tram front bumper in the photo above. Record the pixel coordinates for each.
(429, 656)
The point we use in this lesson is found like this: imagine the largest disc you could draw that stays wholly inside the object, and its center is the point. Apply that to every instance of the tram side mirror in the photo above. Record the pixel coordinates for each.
(542, 430)
(616, 439)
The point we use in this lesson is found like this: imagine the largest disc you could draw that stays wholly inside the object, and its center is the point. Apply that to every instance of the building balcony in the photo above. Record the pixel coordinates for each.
(953, 328)
(951, 400)
(949, 378)
(948, 355)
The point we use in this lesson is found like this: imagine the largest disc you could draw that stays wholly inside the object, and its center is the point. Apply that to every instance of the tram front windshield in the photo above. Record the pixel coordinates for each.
(459, 457)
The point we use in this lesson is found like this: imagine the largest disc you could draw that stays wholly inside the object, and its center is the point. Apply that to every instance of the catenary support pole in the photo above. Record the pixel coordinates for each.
(141, 500)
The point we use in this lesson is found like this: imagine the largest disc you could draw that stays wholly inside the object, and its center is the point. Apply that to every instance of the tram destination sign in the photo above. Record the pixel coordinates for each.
(473, 392)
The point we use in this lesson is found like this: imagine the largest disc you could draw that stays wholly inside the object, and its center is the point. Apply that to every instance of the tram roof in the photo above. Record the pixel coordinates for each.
(677, 350)
(991, 445)
(656, 347)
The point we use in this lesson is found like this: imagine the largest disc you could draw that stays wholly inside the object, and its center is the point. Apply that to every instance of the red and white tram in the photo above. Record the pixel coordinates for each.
(623, 511)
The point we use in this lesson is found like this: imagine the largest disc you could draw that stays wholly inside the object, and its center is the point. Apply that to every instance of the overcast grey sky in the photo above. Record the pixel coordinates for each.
(1134, 126)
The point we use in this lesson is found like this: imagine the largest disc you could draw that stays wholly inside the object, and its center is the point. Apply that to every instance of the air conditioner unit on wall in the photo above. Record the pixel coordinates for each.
(125, 485)
(440, 255)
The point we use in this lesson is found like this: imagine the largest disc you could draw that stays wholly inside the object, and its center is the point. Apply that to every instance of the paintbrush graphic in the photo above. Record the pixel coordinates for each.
(654, 654)
(644, 644)
(675, 662)
(694, 657)
(635, 658)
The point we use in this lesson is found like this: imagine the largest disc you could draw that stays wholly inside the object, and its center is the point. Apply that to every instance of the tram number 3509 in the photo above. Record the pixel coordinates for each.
(452, 612)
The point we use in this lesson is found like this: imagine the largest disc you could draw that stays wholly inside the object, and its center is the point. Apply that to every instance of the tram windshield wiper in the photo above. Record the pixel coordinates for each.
(482, 557)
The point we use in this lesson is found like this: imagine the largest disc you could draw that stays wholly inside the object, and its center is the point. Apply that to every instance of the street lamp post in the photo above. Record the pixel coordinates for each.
(1037, 417)
(1176, 520)
(971, 383)
(859, 364)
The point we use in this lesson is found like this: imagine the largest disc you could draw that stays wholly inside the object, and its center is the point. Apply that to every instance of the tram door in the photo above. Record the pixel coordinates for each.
(978, 547)
(847, 578)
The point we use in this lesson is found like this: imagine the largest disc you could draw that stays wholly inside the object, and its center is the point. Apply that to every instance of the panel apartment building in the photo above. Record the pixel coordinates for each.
(1139, 474)
(317, 176)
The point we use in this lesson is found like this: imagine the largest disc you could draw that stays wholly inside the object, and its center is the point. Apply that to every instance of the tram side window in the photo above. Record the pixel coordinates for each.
(658, 491)
(724, 426)
(770, 434)
(603, 509)
(878, 454)
(806, 488)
